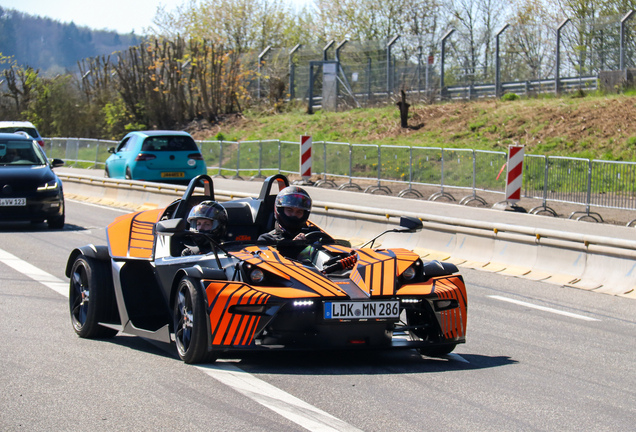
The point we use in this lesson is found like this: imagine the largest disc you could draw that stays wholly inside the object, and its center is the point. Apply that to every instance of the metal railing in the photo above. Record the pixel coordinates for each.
(403, 171)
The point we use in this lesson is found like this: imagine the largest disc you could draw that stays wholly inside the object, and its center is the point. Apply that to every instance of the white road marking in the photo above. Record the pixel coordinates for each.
(290, 407)
(543, 308)
(34, 273)
(117, 209)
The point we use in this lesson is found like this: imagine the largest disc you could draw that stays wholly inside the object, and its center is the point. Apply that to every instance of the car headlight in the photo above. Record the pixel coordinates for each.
(257, 275)
(52, 185)
(409, 273)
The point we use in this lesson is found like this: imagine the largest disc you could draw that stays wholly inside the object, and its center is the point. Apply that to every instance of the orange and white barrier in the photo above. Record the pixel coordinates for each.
(305, 157)
(514, 177)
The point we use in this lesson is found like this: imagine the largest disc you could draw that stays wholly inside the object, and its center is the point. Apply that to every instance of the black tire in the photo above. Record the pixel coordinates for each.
(92, 298)
(190, 323)
(106, 172)
(128, 174)
(58, 221)
(437, 351)
(420, 332)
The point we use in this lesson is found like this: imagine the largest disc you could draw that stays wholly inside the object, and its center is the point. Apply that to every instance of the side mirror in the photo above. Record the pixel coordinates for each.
(170, 226)
(57, 163)
(111, 150)
(411, 224)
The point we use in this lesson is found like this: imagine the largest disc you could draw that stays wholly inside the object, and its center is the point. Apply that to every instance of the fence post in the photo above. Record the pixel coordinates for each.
(220, 157)
(544, 207)
(96, 155)
(592, 215)
(557, 64)
(238, 161)
(378, 187)
(388, 65)
(292, 73)
(622, 53)
(260, 63)
(442, 60)
(279, 157)
(473, 197)
(441, 193)
(498, 62)
(410, 189)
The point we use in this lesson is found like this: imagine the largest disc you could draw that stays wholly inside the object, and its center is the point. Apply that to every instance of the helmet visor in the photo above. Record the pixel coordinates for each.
(295, 200)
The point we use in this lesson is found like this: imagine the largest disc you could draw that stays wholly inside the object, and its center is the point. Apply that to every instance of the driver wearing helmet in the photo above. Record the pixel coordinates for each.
(291, 211)
(210, 218)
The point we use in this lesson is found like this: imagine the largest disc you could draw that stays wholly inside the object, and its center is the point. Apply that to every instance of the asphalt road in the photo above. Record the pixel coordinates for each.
(538, 358)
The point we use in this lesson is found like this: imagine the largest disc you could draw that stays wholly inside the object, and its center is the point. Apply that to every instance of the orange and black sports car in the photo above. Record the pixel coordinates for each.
(246, 296)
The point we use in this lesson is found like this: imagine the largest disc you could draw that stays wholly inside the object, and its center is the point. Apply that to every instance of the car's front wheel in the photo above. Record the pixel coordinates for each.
(57, 222)
(92, 298)
(190, 323)
(106, 172)
(437, 351)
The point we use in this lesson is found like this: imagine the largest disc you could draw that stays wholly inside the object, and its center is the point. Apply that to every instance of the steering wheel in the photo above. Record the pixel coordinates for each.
(317, 235)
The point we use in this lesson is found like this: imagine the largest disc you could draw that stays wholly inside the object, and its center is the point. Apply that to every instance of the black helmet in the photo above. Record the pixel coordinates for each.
(295, 197)
(212, 211)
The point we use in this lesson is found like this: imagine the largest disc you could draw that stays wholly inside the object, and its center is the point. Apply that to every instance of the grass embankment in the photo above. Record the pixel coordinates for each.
(592, 126)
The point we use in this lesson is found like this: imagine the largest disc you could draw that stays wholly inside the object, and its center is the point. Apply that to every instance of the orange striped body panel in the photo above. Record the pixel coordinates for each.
(452, 321)
(376, 270)
(299, 276)
(131, 235)
(227, 328)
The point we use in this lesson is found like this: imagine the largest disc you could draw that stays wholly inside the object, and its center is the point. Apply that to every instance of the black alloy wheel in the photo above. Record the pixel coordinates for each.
(91, 298)
(190, 323)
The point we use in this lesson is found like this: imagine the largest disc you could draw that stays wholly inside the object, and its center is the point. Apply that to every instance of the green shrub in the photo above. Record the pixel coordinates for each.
(510, 97)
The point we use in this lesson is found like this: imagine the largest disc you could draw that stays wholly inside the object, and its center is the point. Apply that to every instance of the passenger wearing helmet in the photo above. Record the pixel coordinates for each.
(291, 211)
(208, 218)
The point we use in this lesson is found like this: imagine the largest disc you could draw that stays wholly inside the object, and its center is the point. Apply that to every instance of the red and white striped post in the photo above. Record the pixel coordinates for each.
(514, 176)
(305, 157)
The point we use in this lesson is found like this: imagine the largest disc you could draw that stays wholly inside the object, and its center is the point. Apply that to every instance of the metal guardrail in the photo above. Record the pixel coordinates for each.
(408, 170)
(373, 214)
(525, 88)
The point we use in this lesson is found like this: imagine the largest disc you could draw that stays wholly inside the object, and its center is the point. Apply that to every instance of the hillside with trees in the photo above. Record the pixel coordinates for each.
(54, 47)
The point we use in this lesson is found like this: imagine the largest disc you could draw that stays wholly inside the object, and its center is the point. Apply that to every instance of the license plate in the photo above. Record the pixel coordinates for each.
(172, 174)
(10, 202)
(362, 309)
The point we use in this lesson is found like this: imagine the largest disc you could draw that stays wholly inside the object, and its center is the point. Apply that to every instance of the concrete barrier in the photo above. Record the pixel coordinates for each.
(589, 262)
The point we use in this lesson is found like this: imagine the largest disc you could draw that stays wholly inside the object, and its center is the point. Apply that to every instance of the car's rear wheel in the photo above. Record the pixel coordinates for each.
(92, 298)
(190, 324)
(128, 174)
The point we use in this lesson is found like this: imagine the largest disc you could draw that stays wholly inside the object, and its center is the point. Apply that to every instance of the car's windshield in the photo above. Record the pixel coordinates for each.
(13, 129)
(20, 152)
(169, 143)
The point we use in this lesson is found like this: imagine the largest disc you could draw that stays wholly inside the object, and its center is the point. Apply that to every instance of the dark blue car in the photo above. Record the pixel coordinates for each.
(163, 156)
(29, 189)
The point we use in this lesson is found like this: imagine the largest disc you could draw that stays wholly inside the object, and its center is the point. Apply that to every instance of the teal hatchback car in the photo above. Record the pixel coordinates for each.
(161, 156)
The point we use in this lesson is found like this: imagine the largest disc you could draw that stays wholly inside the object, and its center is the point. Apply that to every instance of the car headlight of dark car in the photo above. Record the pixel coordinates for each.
(50, 185)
